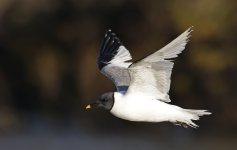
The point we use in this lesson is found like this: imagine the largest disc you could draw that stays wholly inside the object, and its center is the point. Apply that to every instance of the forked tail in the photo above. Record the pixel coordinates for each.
(189, 115)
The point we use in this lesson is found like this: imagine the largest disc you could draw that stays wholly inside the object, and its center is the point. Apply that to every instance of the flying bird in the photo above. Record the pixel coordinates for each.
(142, 86)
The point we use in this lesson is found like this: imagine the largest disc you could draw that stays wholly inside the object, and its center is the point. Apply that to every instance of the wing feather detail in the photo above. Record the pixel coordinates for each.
(151, 75)
(113, 61)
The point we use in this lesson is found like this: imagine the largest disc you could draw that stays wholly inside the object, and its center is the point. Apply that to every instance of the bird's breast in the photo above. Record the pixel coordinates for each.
(139, 109)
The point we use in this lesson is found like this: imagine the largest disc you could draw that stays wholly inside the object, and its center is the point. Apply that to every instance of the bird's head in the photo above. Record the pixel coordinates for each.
(105, 101)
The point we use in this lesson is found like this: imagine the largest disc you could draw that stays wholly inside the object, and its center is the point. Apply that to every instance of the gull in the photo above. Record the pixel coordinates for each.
(142, 86)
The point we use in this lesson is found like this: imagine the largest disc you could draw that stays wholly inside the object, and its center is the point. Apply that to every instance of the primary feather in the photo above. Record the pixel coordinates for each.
(112, 61)
(172, 49)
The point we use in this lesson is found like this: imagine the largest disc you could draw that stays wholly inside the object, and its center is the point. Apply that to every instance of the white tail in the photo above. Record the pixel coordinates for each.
(189, 115)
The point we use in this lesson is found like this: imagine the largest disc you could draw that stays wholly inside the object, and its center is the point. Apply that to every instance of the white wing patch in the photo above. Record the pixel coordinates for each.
(121, 57)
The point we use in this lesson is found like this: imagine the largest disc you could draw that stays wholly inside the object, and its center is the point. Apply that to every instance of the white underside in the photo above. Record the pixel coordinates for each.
(142, 108)
(145, 109)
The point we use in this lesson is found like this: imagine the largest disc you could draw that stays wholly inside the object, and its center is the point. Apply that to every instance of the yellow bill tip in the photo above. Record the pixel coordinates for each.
(88, 106)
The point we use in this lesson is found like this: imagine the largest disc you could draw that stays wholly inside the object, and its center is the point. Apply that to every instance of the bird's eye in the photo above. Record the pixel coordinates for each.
(104, 100)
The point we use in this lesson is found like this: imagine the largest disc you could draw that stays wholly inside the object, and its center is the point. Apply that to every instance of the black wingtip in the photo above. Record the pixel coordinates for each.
(108, 50)
(108, 32)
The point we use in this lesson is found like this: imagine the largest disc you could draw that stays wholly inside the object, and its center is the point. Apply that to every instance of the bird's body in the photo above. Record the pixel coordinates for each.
(152, 111)
(143, 86)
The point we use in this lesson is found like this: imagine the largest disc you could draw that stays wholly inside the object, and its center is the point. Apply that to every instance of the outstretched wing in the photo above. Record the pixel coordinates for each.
(112, 61)
(151, 75)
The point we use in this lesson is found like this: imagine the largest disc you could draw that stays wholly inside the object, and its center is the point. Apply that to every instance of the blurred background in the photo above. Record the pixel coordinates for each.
(48, 72)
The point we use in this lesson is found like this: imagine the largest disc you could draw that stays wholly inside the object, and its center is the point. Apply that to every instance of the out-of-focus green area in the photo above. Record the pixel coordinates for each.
(48, 51)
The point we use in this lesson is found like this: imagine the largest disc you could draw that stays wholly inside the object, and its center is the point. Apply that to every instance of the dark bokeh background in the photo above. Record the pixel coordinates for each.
(48, 50)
